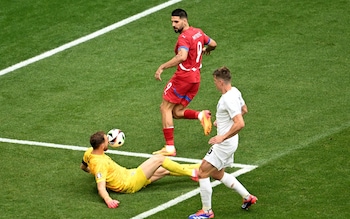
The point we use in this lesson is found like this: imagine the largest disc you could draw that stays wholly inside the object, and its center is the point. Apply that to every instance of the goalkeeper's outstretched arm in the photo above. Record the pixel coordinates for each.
(102, 191)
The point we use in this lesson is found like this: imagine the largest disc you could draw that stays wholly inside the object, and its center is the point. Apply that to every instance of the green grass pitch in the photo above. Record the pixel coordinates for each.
(290, 59)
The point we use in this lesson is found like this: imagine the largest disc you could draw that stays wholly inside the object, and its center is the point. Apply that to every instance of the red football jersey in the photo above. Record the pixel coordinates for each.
(193, 40)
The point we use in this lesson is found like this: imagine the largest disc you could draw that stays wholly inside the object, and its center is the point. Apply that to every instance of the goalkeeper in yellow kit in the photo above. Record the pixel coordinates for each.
(109, 175)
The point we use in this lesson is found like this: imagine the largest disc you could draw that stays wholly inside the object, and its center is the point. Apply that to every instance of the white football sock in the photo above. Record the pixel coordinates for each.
(231, 182)
(170, 148)
(205, 191)
(200, 115)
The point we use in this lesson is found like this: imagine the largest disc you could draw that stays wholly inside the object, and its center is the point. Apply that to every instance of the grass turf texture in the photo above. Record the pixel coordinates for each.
(290, 60)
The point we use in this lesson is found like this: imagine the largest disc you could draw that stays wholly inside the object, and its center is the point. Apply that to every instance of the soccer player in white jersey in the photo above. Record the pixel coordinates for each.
(229, 121)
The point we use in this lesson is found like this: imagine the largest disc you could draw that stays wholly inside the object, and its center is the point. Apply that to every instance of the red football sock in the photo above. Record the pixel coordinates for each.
(169, 136)
(191, 114)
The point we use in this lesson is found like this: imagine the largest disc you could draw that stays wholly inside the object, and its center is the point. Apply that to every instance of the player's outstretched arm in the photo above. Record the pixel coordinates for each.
(102, 191)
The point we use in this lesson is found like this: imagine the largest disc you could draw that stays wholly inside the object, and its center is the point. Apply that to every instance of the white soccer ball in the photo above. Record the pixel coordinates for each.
(116, 138)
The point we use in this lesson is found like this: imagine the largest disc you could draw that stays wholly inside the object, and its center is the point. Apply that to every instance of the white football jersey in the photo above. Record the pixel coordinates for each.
(229, 105)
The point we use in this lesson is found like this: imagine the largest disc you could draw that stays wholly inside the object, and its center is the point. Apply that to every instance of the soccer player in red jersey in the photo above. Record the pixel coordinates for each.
(192, 43)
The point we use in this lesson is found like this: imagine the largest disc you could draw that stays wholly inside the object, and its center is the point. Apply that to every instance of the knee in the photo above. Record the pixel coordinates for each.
(217, 175)
(178, 112)
(158, 158)
(165, 108)
(202, 174)
(161, 107)
(175, 115)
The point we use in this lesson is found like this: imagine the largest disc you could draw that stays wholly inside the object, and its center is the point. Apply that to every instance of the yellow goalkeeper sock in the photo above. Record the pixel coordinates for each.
(189, 166)
(175, 168)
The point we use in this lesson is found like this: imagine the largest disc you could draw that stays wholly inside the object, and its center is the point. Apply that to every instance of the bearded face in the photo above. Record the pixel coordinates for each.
(178, 23)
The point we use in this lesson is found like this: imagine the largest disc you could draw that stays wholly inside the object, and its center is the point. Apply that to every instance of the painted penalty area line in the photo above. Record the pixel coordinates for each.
(110, 151)
(190, 194)
(244, 169)
(88, 37)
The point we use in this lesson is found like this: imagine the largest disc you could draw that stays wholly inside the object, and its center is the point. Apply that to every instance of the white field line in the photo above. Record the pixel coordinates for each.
(87, 37)
(244, 169)
(124, 153)
(188, 195)
(308, 141)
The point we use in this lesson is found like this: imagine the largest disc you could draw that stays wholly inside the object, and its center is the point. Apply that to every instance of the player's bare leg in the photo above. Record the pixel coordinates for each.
(178, 111)
(181, 112)
(153, 168)
(166, 109)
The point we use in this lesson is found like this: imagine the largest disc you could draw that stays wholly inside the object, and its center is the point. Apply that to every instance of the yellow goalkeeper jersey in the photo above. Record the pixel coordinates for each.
(117, 178)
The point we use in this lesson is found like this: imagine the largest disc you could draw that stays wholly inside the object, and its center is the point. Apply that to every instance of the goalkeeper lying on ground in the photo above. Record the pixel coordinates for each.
(109, 175)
